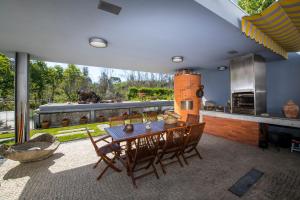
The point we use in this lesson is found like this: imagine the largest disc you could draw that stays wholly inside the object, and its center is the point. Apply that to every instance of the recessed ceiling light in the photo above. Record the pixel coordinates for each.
(98, 42)
(232, 52)
(108, 7)
(177, 59)
(222, 68)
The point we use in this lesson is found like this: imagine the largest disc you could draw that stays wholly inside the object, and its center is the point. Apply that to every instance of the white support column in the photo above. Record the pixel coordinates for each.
(22, 98)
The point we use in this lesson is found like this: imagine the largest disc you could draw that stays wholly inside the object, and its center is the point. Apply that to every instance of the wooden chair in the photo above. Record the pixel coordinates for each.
(102, 153)
(191, 141)
(142, 156)
(171, 145)
(116, 121)
(150, 116)
(192, 119)
(136, 118)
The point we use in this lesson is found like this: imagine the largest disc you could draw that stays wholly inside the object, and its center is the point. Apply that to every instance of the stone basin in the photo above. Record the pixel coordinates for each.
(40, 147)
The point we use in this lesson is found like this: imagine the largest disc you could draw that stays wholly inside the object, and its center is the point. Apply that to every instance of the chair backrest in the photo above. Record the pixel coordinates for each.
(174, 137)
(116, 121)
(150, 116)
(136, 118)
(145, 147)
(194, 134)
(192, 119)
(92, 140)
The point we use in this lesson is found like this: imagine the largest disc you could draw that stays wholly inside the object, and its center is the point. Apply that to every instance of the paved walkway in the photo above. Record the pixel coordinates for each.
(69, 175)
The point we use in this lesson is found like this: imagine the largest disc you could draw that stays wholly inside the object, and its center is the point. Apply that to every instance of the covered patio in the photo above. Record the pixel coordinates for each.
(202, 43)
(142, 36)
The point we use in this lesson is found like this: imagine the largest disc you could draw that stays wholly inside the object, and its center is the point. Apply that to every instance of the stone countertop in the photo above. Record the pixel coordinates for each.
(260, 119)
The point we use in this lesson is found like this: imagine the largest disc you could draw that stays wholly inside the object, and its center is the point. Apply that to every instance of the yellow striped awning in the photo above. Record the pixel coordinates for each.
(276, 28)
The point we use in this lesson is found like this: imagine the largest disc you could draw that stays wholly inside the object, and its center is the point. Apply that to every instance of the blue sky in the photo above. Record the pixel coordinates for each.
(94, 72)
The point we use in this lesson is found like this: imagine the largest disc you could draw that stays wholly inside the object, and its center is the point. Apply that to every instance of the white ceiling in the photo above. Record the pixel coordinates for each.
(144, 36)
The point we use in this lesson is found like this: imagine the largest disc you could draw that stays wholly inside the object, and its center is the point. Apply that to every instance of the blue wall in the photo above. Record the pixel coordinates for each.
(283, 83)
(216, 85)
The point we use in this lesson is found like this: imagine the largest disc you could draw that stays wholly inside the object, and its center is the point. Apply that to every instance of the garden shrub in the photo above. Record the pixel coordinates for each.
(150, 93)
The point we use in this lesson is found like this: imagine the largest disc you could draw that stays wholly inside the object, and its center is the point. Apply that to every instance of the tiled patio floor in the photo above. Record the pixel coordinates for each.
(69, 175)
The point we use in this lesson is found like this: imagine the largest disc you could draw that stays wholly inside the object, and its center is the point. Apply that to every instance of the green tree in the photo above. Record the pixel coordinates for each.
(73, 79)
(87, 81)
(38, 80)
(55, 77)
(6, 77)
(103, 84)
(253, 7)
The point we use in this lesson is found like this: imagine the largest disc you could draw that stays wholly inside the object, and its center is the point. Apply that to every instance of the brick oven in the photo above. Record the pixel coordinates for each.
(187, 93)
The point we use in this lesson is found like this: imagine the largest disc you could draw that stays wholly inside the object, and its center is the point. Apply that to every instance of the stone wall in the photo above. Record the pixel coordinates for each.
(56, 118)
(93, 115)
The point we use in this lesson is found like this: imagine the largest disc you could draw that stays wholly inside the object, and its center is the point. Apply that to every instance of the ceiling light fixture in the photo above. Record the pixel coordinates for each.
(177, 59)
(98, 42)
(222, 68)
(108, 7)
(232, 52)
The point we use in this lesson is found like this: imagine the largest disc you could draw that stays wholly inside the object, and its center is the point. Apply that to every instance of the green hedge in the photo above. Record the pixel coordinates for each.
(150, 93)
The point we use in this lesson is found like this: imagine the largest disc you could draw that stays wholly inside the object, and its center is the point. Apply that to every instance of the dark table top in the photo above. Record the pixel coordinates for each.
(118, 134)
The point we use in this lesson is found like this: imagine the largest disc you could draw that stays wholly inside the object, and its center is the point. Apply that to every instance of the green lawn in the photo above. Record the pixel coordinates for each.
(6, 135)
(62, 138)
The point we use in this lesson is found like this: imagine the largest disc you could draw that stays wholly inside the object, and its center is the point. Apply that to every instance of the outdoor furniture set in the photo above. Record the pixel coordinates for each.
(140, 148)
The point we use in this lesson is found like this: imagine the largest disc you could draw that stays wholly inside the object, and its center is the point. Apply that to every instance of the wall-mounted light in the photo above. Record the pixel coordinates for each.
(98, 42)
(222, 68)
(177, 59)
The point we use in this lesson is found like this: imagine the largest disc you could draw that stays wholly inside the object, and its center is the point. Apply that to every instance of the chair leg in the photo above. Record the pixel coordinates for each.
(113, 160)
(112, 166)
(159, 157)
(161, 164)
(132, 177)
(98, 178)
(173, 156)
(198, 153)
(184, 159)
(150, 163)
(179, 160)
(97, 163)
(155, 171)
(133, 182)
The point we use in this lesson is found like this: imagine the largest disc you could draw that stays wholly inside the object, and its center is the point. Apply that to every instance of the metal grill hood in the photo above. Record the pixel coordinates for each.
(248, 74)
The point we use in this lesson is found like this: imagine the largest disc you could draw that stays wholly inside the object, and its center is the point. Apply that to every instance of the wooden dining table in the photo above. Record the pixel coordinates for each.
(118, 133)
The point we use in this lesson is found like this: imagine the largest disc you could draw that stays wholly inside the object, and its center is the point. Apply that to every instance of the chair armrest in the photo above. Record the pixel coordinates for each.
(103, 138)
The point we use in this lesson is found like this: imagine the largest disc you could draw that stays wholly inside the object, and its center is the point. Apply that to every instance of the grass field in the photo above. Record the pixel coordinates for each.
(56, 131)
